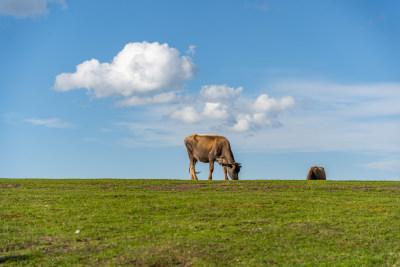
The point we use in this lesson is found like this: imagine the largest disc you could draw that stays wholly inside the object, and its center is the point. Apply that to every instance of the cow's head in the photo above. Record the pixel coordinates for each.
(233, 170)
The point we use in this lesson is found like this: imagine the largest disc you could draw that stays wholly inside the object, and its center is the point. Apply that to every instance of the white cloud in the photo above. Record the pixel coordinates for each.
(265, 111)
(187, 115)
(242, 123)
(163, 98)
(217, 93)
(265, 103)
(27, 8)
(51, 123)
(216, 111)
(211, 111)
(222, 103)
(139, 69)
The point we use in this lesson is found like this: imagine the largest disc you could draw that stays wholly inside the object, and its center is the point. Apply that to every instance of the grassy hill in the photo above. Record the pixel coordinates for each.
(185, 223)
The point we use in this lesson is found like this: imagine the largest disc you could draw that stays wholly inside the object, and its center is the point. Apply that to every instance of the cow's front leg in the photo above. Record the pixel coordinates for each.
(226, 176)
(211, 169)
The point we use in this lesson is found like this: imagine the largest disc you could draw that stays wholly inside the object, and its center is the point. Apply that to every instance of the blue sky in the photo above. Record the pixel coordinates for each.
(93, 89)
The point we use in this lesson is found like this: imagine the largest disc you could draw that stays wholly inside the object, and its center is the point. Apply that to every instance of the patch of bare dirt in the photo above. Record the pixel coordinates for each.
(370, 188)
(391, 187)
(8, 186)
(11, 216)
(270, 263)
(224, 185)
(174, 187)
(136, 263)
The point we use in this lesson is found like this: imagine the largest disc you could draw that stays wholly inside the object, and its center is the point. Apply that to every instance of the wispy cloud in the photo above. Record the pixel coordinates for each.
(385, 165)
(106, 130)
(91, 139)
(346, 100)
(163, 98)
(27, 8)
(191, 50)
(10, 117)
(378, 19)
(152, 133)
(257, 5)
(50, 123)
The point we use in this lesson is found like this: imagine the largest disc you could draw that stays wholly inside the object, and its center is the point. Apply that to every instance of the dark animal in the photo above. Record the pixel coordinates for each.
(210, 148)
(316, 173)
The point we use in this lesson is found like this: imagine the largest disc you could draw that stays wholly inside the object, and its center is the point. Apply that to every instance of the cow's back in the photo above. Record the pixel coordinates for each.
(316, 173)
(202, 144)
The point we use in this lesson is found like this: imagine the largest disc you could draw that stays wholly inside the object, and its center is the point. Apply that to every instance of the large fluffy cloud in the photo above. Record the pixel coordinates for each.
(138, 70)
(222, 103)
(27, 8)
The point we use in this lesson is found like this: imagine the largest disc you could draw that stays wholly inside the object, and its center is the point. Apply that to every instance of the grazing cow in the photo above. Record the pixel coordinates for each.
(210, 148)
(316, 173)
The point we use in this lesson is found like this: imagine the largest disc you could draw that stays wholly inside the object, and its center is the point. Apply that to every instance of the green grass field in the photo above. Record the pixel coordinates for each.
(184, 223)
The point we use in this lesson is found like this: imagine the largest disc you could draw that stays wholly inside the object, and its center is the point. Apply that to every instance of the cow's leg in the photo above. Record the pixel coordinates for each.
(211, 169)
(192, 159)
(192, 170)
(226, 176)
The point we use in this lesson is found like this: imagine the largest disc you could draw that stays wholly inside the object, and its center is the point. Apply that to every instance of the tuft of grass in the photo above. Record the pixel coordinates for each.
(198, 223)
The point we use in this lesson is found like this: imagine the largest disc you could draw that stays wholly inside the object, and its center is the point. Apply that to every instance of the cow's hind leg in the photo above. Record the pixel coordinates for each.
(211, 169)
(192, 170)
(192, 160)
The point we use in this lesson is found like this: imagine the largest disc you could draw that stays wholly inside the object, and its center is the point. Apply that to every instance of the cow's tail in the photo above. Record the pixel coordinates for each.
(195, 171)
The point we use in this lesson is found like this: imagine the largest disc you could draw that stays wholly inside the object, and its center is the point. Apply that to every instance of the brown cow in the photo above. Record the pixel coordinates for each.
(210, 148)
(316, 173)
